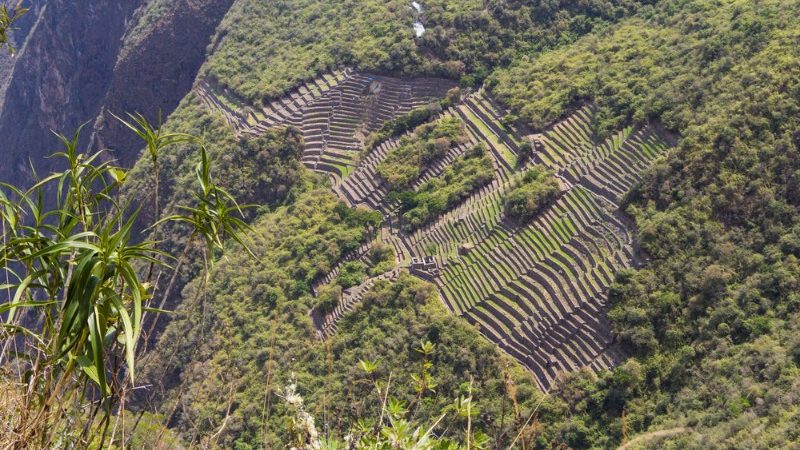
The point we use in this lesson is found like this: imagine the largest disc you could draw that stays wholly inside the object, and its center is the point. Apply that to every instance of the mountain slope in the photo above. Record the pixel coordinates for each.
(60, 80)
(322, 102)
(79, 65)
(649, 287)
(696, 317)
(151, 78)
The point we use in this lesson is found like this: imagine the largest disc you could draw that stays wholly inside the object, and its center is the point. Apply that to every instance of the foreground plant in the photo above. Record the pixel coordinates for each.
(74, 289)
(396, 426)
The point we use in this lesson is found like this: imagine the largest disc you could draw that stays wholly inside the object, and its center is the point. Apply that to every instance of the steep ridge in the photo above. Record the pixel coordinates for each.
(150, 77)
(75, 68)
(539, 289)
(60, 80)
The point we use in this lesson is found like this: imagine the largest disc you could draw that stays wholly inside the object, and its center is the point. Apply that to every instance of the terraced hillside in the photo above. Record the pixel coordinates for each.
(608, 168)
(482, 118)
(335, 112)
(364, 186)
(538, 289)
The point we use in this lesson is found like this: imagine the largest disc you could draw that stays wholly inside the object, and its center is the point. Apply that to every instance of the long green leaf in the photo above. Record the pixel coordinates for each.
(18, 296)
(22, 330)
(87, 366)
(129, 275)
(130, 343)
(8, 306)
(62, 247)
(96, 342)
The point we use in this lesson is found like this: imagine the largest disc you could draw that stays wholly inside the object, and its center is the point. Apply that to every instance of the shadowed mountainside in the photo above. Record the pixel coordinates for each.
(78, 64)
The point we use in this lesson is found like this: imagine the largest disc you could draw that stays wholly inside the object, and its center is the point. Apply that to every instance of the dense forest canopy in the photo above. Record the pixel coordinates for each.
(265, 48)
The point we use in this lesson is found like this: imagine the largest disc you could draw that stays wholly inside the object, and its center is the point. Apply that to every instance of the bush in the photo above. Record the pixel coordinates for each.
(352, 274)
(381, 259)
(427, 143)
(525, 153)
(327, 298)
(467, 173)
(536, 190)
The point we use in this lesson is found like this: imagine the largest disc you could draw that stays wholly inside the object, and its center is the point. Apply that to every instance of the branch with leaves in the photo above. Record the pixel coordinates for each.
(77, 288)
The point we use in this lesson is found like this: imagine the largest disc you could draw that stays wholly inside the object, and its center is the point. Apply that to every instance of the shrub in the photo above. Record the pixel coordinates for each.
(352, 274)
(536, 190)
(467, 173)
(427, 143)
(381, 259)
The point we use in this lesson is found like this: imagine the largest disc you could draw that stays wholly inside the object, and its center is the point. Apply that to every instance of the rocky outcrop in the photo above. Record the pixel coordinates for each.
(60, 80)
(157, 70)
(77, 67)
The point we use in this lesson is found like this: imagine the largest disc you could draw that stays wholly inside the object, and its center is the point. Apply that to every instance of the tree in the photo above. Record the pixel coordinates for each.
(533, 192)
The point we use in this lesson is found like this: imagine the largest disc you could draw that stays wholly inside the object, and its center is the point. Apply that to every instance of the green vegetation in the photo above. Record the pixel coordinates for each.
(262, 170)
(380, 259)
(429, 142)
(151, 434)
(646, 67)
(406, 163)
(248, 321)
(392, 410)
(534, 191)
(395, 320)
(258, 303)
(712, 321)
(267, 47)
(402, 124)
(9, 15)
(352, 274)
(267, 304)
(76, 298)
(435, 196)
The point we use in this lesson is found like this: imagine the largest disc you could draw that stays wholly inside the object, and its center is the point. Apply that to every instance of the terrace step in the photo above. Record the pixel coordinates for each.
(327, 325)
(333, 112)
